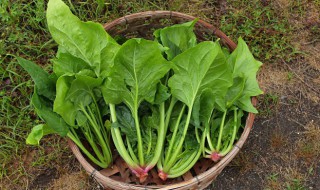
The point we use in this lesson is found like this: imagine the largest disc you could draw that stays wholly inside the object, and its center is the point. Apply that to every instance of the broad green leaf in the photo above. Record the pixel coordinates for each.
(37, 133)
(84, 40)
(71, 92)
(235, 91)
(107, 56)
(138, 68)
(178, 38)
(196, 112)
(43, 82)
(207, 105)
(243, 64)
(65, 108)
(52, 119)
(244, 103)
(65, 63)
(199, 68)
(81, 89)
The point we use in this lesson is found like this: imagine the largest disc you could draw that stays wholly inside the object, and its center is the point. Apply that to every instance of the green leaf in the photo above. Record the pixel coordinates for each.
(84, 40)
(245, 104)
(207, 105)
(65, 63)
(44, 110)
(162, 94)
(81, 89)
(37, 133)
(229, 125)
(235, 91)
(138, 68)
(63, 107)
(243, 64)
(199, 68)
(107, 56)
(178, 38)
(44, 84)
(125, 122)
(73, 91)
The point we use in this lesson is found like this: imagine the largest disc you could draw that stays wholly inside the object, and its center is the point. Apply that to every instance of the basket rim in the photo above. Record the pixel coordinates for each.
(197, 179)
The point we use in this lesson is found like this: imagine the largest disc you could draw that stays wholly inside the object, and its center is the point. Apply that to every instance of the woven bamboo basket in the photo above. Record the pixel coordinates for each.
(205, 171)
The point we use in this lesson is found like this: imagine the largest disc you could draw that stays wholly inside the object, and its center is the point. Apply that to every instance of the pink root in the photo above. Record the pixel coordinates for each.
(162, 175)
(215, 156)
(141, 174)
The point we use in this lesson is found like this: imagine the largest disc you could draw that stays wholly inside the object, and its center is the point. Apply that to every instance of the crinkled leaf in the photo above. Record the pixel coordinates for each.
(149, 138)
(37, 133)
(178, 38)
(52, 119)
(191, 142)
(84, 40)
(44, 84)
(138, 68)
(201, 67)
(126, 123)
(162, 94)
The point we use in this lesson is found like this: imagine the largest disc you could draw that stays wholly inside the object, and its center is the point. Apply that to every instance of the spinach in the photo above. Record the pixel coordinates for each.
(134, 78)
(164, 103)
(244, 68)
(69, 100)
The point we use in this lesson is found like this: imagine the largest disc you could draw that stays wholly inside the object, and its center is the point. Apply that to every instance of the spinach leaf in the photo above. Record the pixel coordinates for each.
(63, 107)
(135, 77)
(126, 124)
(244, 65)
(84, 40)
(199, 68)
(37, 133)
(44, 110)
(44, 84)
(178, 38)
(66, 63)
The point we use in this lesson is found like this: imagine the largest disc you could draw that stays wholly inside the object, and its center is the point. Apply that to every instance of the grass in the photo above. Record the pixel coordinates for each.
(269, 27)
(267, 31)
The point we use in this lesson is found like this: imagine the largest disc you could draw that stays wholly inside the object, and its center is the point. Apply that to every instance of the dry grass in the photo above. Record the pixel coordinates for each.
(73, 181)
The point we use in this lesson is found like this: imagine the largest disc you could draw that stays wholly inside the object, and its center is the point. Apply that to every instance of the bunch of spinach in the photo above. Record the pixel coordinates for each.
(70, 100)
(213, 87)
(165, 102)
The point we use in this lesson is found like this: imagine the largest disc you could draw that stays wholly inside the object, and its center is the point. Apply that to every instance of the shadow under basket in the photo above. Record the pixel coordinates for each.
(119, 176)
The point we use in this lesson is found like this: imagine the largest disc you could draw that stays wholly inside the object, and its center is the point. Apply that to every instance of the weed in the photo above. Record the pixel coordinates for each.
(290, 76)
(295, 184)
(268, 104)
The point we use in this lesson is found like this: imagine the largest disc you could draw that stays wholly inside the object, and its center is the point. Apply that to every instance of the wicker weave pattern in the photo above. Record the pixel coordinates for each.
(205, 171)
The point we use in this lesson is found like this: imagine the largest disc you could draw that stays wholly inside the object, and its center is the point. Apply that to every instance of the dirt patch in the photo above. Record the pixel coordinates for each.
(281, 151)
(44, 179)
